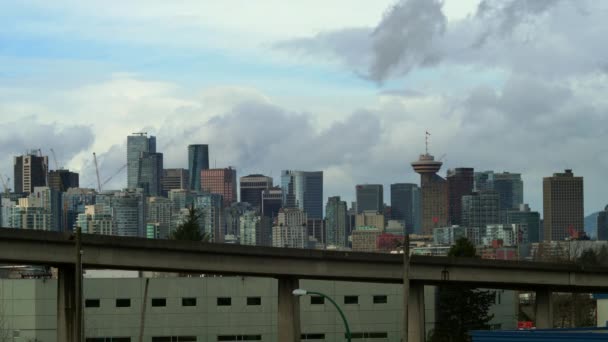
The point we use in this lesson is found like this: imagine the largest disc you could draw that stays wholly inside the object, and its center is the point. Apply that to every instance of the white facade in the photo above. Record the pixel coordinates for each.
(249, 226)
(447, 236)
(290, 230)
(510, 234)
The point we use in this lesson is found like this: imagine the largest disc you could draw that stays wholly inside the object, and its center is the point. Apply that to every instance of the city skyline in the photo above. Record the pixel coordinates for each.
(495, 101)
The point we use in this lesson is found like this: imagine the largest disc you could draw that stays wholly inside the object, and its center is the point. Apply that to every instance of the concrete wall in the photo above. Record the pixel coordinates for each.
(29, 306)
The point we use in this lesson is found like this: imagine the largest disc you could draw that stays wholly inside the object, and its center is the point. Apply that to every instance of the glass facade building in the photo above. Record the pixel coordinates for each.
(198, 160)
(405, 206)
(370, 197)
(336, 221)
(304, 190)
(136, 144)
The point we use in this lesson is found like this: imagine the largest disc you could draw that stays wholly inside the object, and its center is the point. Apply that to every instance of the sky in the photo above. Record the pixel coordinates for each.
(347, 87)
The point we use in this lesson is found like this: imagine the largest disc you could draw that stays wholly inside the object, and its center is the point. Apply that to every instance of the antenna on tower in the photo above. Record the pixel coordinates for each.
(426, 141)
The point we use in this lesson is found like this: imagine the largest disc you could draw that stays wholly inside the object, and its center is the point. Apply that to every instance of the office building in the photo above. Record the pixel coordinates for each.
(181, 199)
(272, 201)
(509, 235)
(30, 171)
(510, 189)
(480, 209)
(315, 228)
(75, 201)
(602, 225)
(460, 183)
(483, 181)
(370, 197)
(61, 180)
(405, 206)
(159, 212)
(211, 208)
(127, 209)
(150, 173)
(447, 236)
(251, 188)
(364, 238)
(174, 179)
(304, 190)
(94, 221)
(563, 207)
(198, 160)
(290, 229)
(526, 218)
(250, 228)
(232, 215)
(137, 144)
(51, 203)
(370, 219)
(434, 193)
(222, 182)
(336, 222)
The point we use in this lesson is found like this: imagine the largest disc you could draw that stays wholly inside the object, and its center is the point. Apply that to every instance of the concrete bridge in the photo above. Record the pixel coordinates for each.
(288, 266)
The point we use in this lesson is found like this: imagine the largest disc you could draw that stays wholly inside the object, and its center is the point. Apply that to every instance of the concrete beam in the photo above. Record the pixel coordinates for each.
(288, 324)
(416, 328)
(544, 309)
(66, 305)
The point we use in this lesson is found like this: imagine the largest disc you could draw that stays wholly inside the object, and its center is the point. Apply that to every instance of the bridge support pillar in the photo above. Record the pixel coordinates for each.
(416, 329)
(66, 304)
(288, 311)
(544, 309)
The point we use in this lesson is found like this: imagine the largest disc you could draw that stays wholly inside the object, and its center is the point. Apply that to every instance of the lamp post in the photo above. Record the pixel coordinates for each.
(302, 292)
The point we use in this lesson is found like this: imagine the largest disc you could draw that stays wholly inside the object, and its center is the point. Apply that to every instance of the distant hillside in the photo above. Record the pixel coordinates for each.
(591, 225)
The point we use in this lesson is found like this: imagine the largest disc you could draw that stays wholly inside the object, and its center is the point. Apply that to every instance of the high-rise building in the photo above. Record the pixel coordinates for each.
(405, 206)
(136, 145)
(150, 173)
(525, 217)
(510, 234)
(51, 202)
(250, 228)
(370, 197)
(272, 201)
(127, 209)
(562, 205)
(364, 238)
(448, 236)
(370, 219)
(336, 221)
(484, 180)
(198, 160)
(222, 182)
(510, 189)
(61, 180)
(159, 212)
(180, 199)
(290, 229)
(94, 221)
(75, 201)
(251, 188)
(30, 171)
(174, 179)
(434, 193)
(232, 215)
(211, 208)
(602, 225)
(460, 183)
(480, 209)
(304, 190)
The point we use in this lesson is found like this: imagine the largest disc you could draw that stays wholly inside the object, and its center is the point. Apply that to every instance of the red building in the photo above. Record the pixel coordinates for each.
(220, 181)
(388, 242)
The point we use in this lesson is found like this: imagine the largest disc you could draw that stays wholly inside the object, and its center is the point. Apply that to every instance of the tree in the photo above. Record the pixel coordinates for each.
(190, 228)
(459, 308)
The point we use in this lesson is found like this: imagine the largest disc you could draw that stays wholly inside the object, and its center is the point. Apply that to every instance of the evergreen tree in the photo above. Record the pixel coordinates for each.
(459, 308)
(190, 228)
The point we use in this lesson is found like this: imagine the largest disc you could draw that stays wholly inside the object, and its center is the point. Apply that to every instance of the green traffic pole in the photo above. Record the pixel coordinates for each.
(339, 311)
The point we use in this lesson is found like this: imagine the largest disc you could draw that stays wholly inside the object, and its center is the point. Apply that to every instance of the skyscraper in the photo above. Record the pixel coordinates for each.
(272, 201)
(562, 205)
(304, 190)
(251, 188)
(510, 189)
(212, 208)
(127, 209)
(290, 230)
(174, 179)
(150, 173)
(220, 181)
(434, 193)
(30, 171)
(405, 206)
(460, 183)
(525, 217)
(480, 209)
(61, 180)
(369, 197)
(336, 222)
(198, 160)
(136, 144)
(602, 225)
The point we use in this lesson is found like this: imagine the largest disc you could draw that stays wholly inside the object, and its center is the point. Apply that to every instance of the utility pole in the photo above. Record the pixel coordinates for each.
(78, 325)
(406, 286)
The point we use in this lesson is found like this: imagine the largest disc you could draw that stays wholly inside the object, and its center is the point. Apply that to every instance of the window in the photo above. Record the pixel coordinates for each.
(368, 335)
(108, 339)
(123, 303)
(312, 337)
(317, 300)
(380, 299)
(351, 299)
(91, 303)
(159, 301)
(188, 301)
(254, 301)
(174, 339)
(239, 337)
(224, 301)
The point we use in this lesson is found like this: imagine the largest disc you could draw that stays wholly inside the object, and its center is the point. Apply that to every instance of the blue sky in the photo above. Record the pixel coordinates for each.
(349, 90)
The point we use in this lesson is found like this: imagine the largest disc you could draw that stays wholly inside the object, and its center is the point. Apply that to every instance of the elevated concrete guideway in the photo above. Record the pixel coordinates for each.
(110, 252)
(288, 266)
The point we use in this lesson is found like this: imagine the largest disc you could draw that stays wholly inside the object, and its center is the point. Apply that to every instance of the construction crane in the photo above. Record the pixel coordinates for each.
(116, 173)
(55, 159)
(97, 171)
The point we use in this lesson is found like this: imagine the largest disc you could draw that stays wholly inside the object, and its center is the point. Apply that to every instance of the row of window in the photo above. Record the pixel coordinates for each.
(355, 335)
(227, 301)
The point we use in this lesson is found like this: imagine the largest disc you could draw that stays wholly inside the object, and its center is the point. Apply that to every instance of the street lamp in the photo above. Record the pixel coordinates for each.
(302, 292)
